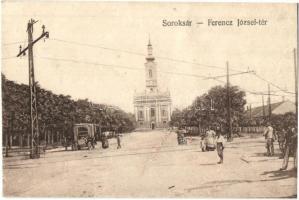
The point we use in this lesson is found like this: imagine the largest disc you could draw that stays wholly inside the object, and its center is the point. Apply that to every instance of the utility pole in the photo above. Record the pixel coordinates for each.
(229, 138)
(296, 80)
(250, 113)
(263, 107)
(34, 145)
(269, 104)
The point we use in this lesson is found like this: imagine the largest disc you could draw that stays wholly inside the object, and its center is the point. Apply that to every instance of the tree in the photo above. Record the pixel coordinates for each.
(211, 108)
(56, 113)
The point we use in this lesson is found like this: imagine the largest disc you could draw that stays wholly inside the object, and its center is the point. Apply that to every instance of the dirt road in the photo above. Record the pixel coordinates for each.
(151, 164)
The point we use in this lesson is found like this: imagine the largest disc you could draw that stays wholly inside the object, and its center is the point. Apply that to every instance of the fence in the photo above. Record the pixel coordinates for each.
(251, 129)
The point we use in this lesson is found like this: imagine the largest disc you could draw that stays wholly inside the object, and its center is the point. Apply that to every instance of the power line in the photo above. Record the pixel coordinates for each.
(269, 82)
(124, 67)
(141, 54)
(117, 66)
(221, 76)
(7, 58)
(12, 43)
(174, 60)
(139, 69)
(261, 93)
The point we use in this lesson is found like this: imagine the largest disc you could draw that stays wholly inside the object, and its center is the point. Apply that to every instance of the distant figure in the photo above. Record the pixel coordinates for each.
(118, 141)
(281, 137)
(210, 133)
(181, 136)
(291, 145)
(105, 142)
(220, 146)
(270, 137)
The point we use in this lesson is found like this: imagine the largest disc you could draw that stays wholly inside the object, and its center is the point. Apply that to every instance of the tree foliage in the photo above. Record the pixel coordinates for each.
(211, 108)
(57, 112)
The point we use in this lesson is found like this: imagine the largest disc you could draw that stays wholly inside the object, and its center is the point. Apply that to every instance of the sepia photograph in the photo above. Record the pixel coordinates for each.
(149, 99)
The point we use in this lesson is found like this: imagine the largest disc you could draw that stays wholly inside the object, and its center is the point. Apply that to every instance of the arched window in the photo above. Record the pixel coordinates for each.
(150, 73)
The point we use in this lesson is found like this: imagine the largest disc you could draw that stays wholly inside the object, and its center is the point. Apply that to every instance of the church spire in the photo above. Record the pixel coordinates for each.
(150, 56)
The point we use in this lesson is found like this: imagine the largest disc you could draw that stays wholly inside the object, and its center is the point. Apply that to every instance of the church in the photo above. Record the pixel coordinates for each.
(152, 107)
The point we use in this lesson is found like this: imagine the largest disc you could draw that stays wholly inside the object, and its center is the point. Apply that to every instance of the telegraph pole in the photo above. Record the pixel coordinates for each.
(296, 82)
(269, 104)
(34, 145)
(263, 107)
(229, 138)
(250, 113)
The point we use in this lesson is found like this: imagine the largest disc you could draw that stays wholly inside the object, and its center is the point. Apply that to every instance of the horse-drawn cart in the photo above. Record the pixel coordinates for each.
(84, 136)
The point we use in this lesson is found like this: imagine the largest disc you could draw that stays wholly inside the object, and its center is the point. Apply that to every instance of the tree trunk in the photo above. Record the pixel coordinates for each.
(10, 141)
(21, 140)
(28, 140)
(52, 137)
(45, 136)
(57, 137)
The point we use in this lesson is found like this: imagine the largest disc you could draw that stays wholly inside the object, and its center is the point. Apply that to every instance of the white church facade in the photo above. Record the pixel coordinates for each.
(152, 107)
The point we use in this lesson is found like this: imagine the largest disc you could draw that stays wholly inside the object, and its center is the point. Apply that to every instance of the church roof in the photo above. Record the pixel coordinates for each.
(152, 96)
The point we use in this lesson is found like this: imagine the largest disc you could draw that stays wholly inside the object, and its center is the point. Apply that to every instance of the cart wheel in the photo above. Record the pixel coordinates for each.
(89, 145)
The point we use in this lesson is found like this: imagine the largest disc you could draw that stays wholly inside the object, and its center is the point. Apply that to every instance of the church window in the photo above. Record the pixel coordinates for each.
(153, 112)
(140, 115)
(150, 73)
(164, 113)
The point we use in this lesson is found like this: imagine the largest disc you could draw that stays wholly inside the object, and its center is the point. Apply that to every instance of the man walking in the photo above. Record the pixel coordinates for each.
(270, 137)
(291, 145)
(220, 146)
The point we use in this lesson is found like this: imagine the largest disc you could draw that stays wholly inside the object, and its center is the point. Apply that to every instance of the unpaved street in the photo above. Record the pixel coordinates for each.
(151, 164)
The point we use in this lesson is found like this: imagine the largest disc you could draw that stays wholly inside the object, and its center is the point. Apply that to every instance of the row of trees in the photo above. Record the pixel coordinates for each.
(211, 109)
(57, 113)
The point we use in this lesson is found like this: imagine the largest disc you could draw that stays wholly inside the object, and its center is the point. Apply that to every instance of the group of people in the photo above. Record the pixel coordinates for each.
(287, 141)
(286, 137)
(105, 141)
(217, 137)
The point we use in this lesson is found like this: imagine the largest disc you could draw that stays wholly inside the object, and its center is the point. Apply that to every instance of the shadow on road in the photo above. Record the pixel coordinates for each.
(264, 154)
(91, 156)
(279, 175)
(208, 164)
(213, 184)
(276, 175)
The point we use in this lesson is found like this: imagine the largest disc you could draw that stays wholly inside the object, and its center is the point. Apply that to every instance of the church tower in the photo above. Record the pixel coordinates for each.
(152, 107)
(150, 70)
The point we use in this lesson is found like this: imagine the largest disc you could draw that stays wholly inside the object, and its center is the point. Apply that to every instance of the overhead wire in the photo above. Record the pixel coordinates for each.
(269, 82)
(141, 54)
(116, 66)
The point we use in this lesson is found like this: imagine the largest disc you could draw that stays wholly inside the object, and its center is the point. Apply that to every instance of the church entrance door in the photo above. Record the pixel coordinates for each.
(153, 126)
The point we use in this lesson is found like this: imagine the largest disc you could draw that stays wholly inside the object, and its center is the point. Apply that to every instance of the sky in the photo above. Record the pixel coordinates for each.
(96, 49)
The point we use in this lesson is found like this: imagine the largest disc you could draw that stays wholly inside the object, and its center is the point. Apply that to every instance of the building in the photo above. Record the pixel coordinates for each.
(152, 107)
(276, 108)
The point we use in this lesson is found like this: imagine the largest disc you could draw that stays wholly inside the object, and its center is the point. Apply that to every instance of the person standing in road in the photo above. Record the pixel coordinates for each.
(270, 137)
(220, 146)
(281, 137)
(118, 141)
(291, 145)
